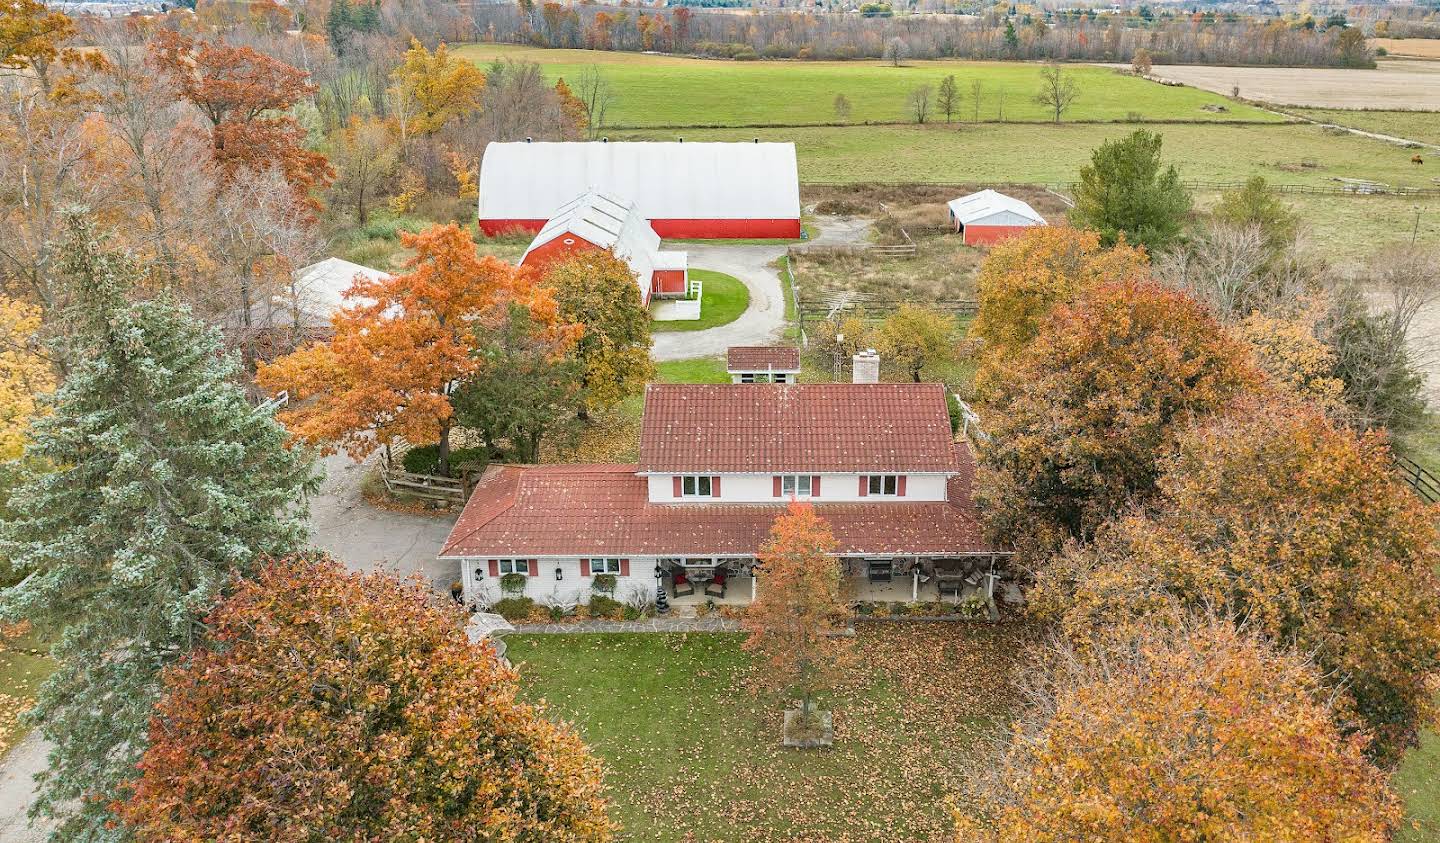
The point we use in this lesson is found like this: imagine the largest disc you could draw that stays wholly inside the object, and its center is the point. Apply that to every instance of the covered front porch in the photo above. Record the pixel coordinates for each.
(691, 582)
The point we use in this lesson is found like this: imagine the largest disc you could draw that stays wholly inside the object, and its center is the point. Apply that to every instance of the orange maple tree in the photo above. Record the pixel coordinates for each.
(240, 90)
(1279, 516)
(798, 607)
(401, 347)
(1203, 733)
(1093, 402)
(330, 705)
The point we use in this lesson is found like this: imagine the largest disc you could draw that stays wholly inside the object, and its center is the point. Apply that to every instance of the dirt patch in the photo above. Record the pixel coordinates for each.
(943, 269)
(916, 206)
(1425, 48)
(1402, 83)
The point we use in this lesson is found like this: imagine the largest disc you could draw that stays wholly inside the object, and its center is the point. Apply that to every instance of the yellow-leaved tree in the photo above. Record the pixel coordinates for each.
(25, 374)
(598, 290)
(436, 88)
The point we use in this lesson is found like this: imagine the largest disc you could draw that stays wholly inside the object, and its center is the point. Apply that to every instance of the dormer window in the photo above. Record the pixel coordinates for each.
(795, 485)
(697, 486)
(885, 485)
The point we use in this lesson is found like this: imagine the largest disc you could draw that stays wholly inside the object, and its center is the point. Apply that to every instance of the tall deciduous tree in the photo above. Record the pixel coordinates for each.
(366, 155)
(334, 705)
(1204, 733)
(25, 374)
(1058, 91)
(1276, 514)
(1094, 402)
(401, 346)
(947, 97)
(1259, 205)
(525, 388)
(1023, 279)
(241, 92)
(799, 607)
(598, 290)
(915, 336)
(1126, 191)
(443, 88)
(167, 483)
(31, 36)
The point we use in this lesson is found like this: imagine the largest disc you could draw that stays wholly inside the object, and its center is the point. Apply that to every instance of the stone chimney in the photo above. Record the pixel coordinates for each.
(866, 367)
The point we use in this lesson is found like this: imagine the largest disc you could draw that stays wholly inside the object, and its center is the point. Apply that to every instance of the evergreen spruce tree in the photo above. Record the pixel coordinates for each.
(167, 484)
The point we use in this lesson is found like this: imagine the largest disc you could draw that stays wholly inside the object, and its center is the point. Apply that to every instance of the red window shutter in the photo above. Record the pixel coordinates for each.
(777, 485)
(677, 486)
(584, 567)
(900, 486)
(534, 567)
(714, 487)
(624, 567)
(864, 485)
(494, 567)
(814, 485)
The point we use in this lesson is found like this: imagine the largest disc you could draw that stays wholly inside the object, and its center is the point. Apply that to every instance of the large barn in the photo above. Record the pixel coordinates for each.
(701, 190)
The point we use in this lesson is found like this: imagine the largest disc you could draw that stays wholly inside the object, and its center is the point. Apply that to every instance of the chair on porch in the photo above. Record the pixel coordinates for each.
(949, 583)
(881, 570)
(716, 587)
(681, 584)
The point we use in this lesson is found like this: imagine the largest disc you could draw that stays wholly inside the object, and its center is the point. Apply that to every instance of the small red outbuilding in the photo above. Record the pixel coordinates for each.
(989, 217)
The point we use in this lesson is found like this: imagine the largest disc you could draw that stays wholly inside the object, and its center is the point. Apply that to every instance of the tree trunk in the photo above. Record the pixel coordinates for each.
(443, 458)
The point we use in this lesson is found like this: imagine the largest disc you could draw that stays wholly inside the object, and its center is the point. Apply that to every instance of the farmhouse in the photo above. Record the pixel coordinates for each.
(703, 190)
(718, 463)
(596, 221)
(762, 363)
(989, 217)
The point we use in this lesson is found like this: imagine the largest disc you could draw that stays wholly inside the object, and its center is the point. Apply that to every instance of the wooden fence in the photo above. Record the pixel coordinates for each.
(428, 486)
(1425, 484)
(834, 306)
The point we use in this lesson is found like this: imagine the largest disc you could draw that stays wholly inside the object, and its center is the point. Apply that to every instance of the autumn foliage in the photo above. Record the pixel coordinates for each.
(1024, 278)
(1205, 733)
(598, 290)
(400, 347)
(798, 607)
(1277, 515)
(1094, 402)
(339, 706)
(437, 88)
(25, 374)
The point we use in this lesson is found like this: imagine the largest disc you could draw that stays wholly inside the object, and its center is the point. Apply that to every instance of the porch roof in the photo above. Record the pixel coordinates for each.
(604, 510)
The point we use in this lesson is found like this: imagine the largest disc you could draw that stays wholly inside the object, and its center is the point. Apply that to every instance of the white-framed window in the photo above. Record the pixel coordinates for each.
(514, 566)
(696, 486)
(604, 566)
(884, 484)
(795, 485)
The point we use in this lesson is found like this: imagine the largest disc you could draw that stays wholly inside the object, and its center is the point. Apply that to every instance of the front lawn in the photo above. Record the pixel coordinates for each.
(722, 301)
(24, 664)
(693, 753)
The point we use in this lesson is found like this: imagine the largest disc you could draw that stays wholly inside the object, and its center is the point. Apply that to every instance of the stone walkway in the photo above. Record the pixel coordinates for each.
(709, 623)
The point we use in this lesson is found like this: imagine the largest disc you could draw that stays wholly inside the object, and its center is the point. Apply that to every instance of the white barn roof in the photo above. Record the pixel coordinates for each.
(319, 292)
(610, 224)
(685, 181)
(989, 207)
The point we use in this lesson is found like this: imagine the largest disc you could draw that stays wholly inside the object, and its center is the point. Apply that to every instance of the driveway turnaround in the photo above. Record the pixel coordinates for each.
(760, 324)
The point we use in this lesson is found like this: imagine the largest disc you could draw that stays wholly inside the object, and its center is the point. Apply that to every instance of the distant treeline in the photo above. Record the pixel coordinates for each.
(1202, 38)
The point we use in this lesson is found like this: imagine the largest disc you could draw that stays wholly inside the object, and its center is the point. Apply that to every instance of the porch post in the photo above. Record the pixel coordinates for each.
(754, 577)
(915, 581)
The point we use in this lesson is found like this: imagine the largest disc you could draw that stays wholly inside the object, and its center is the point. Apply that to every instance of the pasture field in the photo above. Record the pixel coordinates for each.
(1424, 48)
(654, 90)
(1000, 153)
(1400, 83)
(1422, 126)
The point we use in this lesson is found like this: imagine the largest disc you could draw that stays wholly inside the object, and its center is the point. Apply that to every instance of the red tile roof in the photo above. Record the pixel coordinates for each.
(603, 510)
(764, 428)
(762, 358)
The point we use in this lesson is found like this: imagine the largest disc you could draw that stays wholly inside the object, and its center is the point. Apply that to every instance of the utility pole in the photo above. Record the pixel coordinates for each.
(1414, 232)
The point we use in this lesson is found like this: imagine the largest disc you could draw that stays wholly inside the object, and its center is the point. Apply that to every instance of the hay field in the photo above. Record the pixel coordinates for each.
(1402, 83)
(1425, 48)
(657, 90)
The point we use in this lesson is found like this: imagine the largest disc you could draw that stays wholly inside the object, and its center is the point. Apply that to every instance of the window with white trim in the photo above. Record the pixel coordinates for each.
(884, 484)
(696, 486)
(795, 485)
(514, 566)
(604, 566)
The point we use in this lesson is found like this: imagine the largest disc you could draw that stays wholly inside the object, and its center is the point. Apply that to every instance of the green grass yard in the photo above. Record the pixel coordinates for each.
(722, 300)
(693, 753)
(654, 90)
(23, 666)
(1422, 126)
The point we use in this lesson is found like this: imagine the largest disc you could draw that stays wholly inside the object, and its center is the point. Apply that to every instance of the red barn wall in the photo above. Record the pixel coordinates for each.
(989, 235)
(667, 282)
(557, 250)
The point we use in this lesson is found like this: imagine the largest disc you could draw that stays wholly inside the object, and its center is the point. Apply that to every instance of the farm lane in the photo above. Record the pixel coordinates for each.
(17, 791)
(760, 324)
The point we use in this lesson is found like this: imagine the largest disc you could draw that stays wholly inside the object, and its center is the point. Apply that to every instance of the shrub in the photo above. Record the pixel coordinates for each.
(557, 613)
(604, 607)
(390, 228)
(513, 584)
(746, 54)
(972, 607)
(425, 459)
(630, 613)
(957, 416)
(514, 608)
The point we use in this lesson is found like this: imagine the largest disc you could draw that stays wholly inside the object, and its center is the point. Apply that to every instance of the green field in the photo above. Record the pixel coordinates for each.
(653, 90)
(1422, 126)
(999, 153)
(692, 753)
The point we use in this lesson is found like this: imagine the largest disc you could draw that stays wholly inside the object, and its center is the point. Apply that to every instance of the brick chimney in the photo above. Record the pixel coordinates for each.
(866, 367)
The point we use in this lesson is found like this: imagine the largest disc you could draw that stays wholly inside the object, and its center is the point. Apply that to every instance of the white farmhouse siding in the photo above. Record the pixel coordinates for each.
(834, 488)
(683, 189)
(482, 588)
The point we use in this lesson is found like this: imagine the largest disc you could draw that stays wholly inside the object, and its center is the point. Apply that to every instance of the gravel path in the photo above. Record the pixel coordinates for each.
(17, 791)
(760, 324)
